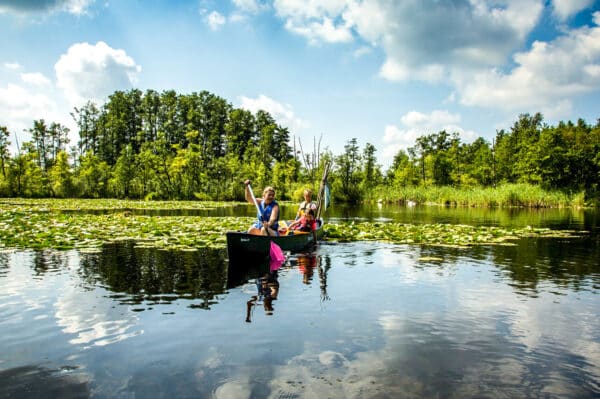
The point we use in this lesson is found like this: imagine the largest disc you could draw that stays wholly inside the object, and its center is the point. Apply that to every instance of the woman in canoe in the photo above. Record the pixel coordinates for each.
(306, 204)
(268, 217)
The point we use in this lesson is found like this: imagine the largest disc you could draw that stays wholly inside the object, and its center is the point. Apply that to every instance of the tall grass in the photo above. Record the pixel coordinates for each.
(507, 195)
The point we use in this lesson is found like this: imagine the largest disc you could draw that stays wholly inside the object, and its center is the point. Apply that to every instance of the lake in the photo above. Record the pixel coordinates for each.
(346, 320)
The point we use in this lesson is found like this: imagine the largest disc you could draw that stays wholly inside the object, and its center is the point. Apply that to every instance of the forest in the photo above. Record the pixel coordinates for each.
(199, 147)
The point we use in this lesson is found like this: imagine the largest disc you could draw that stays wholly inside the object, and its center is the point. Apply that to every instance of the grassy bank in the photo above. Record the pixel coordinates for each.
(508, 195)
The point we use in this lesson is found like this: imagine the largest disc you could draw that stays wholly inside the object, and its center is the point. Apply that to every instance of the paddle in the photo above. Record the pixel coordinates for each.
(275, 251)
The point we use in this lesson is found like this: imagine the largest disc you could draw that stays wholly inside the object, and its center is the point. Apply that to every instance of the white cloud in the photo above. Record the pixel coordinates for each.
(416, 124)
(283, 113)
(92, 72)
(317, 31)
(472, 53)
(307, 9)
(19, 107)
(215, 20)
(78, 7)
(250, 6)
(362, 51)
(12, 66)
(545, 78)
(36, 79)
(317, 20)
(564, 9)
(418, 40)
(420, 44)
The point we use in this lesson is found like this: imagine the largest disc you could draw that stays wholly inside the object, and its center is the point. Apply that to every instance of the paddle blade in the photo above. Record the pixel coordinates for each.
(275, 265)
(276, 253)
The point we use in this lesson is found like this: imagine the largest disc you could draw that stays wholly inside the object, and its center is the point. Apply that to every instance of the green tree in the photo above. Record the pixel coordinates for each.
(124, 173)
(371, 171)
(61, 177)
(25, 176)
(4, 151)
(156, 157)
(403, 171)
(92, 176)
(347, 176)
(240, 132)
(478, 164)
(87, 118)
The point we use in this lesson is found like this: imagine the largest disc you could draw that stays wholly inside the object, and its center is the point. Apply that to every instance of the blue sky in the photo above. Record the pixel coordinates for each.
(381, 71)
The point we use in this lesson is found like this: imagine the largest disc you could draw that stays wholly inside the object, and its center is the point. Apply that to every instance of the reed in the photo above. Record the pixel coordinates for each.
(507, 195)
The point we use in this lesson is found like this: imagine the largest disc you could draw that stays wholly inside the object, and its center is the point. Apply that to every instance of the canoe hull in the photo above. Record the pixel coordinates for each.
(242, 245)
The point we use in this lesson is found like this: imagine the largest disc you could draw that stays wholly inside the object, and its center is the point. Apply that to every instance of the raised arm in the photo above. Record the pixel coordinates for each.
(247, 193)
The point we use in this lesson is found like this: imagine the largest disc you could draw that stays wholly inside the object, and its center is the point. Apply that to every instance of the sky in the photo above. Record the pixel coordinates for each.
(381, 71)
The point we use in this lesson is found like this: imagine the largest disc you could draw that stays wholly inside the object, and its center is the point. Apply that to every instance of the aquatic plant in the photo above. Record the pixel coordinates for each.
(40, 224)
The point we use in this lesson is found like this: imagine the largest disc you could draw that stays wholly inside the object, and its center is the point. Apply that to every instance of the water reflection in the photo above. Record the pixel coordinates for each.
(142, 275)
(39, 382)
(267, 288)
(307, 263)
(345, 320)
(535, 264)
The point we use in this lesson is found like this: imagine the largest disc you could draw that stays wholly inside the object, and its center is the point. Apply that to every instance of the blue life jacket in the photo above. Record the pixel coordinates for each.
(266, 214)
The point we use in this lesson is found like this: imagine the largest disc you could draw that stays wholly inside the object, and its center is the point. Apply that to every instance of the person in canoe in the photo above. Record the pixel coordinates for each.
(306, 204)
(306, 223)
(268, 216)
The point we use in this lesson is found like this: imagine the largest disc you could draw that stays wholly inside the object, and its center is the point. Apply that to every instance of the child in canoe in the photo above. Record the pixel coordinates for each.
(306, 223)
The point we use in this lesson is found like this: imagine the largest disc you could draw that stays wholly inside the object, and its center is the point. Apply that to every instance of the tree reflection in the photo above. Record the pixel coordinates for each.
(156, 275)
(48, 261)
(569, 263)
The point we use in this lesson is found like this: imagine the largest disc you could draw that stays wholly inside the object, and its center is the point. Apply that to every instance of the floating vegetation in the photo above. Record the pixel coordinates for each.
(109, 205)
(453, 235)
(42, 224)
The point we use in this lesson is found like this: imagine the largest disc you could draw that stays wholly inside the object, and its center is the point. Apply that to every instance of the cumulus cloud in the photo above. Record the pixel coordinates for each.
(470, 45)
(36, 79)
(564, 9)
(250, 6)
(20, 106)
(13, 66)
(415, 124)
(422, 39)
(545, 77)
(92, 72)
(420, 42)
(76, 7)
(215, 20)
(283, 113)
(317, 20)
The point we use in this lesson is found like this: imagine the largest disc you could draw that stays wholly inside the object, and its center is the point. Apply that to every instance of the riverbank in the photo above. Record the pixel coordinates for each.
(507, 195)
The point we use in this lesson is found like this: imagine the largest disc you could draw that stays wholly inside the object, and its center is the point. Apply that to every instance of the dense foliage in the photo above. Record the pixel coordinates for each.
(198, 146)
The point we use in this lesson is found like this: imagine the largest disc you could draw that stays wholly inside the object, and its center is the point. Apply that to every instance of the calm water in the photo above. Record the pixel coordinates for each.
(352, 320)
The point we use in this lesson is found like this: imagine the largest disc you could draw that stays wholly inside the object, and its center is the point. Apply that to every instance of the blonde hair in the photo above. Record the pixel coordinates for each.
(268, 188)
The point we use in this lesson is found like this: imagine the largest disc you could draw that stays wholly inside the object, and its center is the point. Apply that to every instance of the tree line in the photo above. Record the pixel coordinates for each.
(198, 146)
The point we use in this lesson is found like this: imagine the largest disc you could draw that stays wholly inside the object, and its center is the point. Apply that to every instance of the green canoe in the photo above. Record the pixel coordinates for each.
(241, 246)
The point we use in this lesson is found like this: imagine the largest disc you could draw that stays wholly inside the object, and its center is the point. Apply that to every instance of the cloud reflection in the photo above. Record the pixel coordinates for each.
(92, 320)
